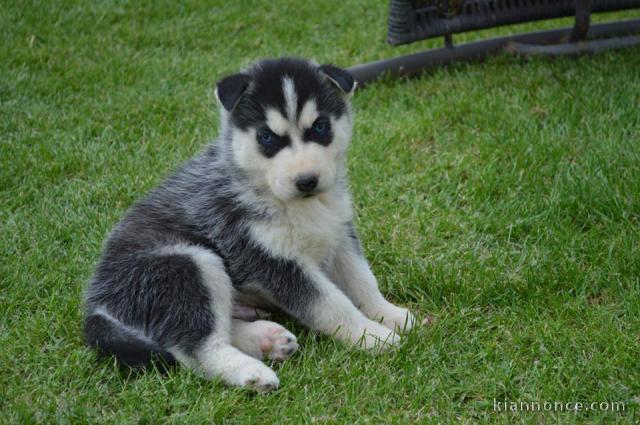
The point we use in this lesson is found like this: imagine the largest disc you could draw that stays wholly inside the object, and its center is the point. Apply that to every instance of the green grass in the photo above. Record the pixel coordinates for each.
(501, 198)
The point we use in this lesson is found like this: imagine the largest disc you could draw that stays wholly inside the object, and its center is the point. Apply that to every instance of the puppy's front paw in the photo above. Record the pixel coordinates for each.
(376, 337)
(394, 317)
(399, 318)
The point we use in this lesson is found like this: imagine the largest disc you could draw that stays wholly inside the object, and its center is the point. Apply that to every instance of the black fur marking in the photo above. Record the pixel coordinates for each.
(231, 88)
(160, 295)
(340, 77)
(129, 349)
(278, 143)
(266, 91)
(311, 136)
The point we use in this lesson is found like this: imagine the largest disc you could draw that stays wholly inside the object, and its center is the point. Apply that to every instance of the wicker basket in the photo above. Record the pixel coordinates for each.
(411, 20)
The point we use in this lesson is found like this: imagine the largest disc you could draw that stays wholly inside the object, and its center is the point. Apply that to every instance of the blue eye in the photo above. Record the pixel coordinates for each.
(265, 137)
(320, 127)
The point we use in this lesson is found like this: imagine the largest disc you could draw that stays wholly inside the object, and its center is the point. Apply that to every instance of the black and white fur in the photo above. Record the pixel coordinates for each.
(261, 218)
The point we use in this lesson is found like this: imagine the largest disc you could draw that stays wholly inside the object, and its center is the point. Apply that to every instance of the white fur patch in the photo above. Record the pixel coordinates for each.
(342, 129)
(248, 157)
(307, 229)
(276, 122)
(290, 98)
(308, 114)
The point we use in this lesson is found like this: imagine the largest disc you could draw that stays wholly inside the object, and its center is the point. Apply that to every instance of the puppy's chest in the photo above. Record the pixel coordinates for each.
(310, 231)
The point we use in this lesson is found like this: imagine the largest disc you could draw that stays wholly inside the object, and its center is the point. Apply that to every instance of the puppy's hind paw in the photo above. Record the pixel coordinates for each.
(256, 376)
(278, 343)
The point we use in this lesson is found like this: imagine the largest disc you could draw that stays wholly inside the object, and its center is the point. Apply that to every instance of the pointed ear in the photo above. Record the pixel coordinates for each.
(230, 89)
(340, 78)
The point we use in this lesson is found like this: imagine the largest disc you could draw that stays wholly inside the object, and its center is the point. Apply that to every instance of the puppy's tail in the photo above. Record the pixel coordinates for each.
(130, 347)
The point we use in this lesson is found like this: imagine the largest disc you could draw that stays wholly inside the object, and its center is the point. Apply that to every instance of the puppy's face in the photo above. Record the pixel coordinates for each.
(290, 124)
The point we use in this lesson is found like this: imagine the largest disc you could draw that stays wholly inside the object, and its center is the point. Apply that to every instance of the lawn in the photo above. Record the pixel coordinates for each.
(502, 199)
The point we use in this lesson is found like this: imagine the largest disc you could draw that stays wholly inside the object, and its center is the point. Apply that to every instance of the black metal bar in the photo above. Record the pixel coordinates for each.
(418, 62)
(583, 18)
(573, 49)
(448, 41)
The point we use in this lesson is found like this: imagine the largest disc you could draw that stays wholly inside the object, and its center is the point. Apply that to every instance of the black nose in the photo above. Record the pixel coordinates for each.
(306, 182)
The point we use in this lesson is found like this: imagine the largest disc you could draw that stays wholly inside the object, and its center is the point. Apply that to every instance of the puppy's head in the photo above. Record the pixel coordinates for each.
(289, 123)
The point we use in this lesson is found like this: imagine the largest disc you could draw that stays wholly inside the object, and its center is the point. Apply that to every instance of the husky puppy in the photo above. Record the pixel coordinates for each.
(261, 218)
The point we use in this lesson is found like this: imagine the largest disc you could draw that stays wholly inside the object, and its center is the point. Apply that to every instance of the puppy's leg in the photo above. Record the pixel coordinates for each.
(217, 358)
(299, 287)
(263, 338)
(351, 272)
(203, 341)
(331, 312)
